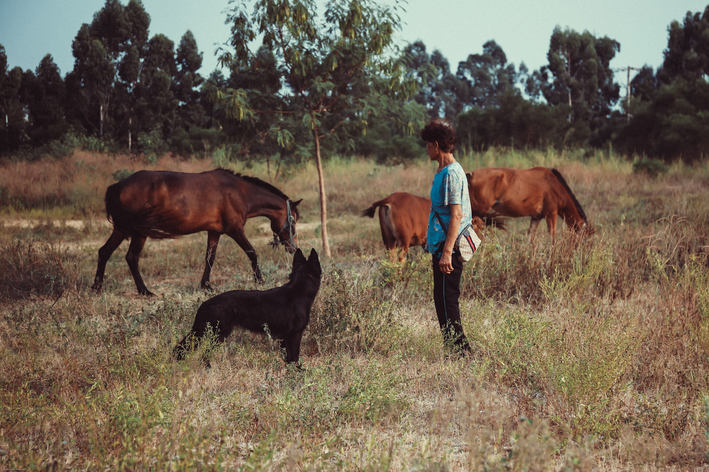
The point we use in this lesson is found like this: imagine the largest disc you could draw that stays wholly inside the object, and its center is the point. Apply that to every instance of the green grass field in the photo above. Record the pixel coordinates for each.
(590, 355)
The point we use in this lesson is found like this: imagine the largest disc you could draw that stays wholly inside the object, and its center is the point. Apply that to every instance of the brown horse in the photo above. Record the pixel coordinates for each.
(538, 192)
(403, 220)
(163, 204)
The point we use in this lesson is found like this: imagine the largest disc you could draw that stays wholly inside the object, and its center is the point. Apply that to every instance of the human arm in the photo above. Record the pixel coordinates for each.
(446, 262)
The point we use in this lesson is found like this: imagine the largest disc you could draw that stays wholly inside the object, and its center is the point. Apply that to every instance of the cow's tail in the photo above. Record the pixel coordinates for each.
(373, 209)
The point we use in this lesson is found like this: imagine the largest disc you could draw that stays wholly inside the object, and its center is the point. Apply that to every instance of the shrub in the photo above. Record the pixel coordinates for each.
(122, 174)
(651, 167)
(35, 268)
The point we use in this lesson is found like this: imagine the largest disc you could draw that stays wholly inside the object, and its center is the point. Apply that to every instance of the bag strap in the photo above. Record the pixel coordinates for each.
(440, 220)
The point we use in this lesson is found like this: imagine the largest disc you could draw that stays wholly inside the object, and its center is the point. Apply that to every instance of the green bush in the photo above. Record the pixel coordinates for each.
(651, 167)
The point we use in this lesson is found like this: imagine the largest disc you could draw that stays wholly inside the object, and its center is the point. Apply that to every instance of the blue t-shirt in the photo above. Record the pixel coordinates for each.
(450, 187)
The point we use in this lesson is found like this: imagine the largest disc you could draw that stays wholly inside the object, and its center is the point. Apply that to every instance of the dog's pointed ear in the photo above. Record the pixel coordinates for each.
(313, 257)
(298, 258)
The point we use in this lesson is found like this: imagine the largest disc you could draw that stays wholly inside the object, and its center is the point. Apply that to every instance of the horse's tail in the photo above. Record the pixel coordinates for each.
(145, 222)
(561, 179)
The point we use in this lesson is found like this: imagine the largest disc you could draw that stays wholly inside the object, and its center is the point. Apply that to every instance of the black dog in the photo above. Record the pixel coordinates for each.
(284, 311)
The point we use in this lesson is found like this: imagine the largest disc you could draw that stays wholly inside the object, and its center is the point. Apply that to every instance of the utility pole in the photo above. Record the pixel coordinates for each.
(627, 88)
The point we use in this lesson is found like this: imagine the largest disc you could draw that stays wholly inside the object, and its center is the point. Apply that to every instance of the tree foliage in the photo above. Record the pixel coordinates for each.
(331, 74)
(308, 79)
(438, 89)
(486, 77)
(579, 75)
(11, 107)
(44, 93)
(687, 53)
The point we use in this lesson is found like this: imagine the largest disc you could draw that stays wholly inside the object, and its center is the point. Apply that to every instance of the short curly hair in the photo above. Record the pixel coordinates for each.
(441, 132)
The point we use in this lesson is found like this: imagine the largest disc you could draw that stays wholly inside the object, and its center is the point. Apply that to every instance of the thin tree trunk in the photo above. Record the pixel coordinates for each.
(323, 199)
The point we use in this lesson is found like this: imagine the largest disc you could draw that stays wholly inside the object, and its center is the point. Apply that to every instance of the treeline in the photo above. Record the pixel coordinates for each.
(129, 91)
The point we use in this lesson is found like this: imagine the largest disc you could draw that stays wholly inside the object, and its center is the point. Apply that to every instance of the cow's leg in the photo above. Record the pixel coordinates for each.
(403, 252)
(132, 258)
(104, 254)
(212, 243)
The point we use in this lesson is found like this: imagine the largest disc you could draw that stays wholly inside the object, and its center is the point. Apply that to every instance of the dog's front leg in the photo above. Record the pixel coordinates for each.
(291, 343)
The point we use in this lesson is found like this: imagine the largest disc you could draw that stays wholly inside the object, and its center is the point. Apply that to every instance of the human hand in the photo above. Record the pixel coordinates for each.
(446, 263)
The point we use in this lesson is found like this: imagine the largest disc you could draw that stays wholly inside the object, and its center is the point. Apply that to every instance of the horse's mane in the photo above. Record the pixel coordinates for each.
(258, 182)
(571, 194)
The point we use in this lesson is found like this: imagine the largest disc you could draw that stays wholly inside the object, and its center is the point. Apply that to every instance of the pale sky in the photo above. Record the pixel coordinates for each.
(30, 29)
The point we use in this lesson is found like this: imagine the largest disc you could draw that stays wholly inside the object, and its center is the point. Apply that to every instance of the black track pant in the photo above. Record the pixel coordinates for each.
(446, 292)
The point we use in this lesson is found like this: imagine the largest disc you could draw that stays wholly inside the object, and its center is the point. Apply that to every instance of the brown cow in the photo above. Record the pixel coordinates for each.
(403, 220)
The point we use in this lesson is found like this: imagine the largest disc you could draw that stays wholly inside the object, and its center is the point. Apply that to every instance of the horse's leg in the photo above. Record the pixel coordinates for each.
(239, 236)
(551, 223)
(132, 258)
(212, 242)
(104, 254)
(533, 226)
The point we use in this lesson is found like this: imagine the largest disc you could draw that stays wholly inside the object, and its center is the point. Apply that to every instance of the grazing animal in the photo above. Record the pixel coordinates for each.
(538, 192)
(284, 311)
(403, 220)
(162, 204)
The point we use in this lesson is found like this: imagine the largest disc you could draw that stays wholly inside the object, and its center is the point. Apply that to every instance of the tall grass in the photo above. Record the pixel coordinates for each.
(589, 354)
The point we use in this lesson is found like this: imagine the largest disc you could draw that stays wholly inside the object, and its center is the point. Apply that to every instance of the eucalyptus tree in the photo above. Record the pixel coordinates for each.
(186, 83)
(687, 53)
(485, 77)
(156, 103)
(12, 110)
(108, 54)
(670, 108)
(333, 72)
(438, 89)
(579, 77)
(44, 92)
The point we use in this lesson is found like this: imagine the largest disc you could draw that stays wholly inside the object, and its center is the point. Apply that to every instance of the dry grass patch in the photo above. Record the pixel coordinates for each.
(589, 354)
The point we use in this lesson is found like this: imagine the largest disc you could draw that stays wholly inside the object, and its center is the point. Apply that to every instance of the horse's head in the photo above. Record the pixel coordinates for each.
(584, 228)
(284, 227)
